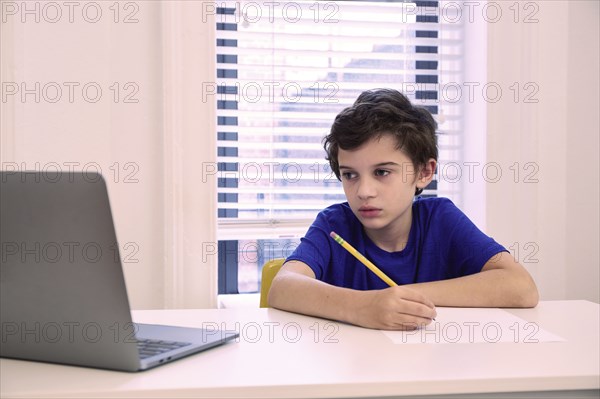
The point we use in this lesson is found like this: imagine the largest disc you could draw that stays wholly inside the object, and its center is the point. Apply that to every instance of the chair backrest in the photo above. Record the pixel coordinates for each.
(269, 271)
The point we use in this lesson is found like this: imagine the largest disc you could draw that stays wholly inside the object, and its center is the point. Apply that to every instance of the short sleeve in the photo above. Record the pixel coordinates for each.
(314, 249)
(468, 248)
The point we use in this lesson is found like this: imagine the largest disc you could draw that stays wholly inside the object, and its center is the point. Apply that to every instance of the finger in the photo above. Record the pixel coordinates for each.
(416, 309)
(414, 296)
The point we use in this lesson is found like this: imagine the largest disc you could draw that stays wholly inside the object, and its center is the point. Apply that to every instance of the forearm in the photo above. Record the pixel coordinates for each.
(395, 308)
(297, 293)
(489, 288)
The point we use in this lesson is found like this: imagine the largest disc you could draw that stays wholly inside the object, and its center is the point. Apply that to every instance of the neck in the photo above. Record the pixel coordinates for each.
(392, 238)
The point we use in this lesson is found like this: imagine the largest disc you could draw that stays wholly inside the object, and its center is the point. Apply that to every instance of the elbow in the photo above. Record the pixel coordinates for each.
(529, 300)
(528, 295)
(273, 294)
(533, 298)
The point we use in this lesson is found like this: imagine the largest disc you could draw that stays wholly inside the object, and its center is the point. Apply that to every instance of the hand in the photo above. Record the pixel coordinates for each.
(394, 308)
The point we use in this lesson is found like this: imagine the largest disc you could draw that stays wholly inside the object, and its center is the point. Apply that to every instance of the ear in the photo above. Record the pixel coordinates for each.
(426, 173)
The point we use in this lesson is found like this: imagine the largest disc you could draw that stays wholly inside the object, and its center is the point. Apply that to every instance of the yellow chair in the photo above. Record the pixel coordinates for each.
(269, 271)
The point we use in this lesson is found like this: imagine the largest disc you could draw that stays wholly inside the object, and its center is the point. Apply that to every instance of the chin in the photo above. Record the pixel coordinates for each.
(373, 224)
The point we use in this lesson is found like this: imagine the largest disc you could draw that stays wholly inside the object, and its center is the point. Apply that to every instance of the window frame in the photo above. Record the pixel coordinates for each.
(273, 226)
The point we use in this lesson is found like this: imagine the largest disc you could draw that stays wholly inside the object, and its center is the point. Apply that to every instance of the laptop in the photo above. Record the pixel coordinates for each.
(62, 292)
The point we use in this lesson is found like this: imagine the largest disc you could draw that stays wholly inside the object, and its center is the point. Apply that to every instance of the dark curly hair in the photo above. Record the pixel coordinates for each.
(378, 112)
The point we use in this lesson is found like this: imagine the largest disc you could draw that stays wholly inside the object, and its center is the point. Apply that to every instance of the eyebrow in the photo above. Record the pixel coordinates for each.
(375, 166)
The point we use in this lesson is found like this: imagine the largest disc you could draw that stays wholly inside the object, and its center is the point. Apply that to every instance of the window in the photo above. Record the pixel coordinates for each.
(284, 70)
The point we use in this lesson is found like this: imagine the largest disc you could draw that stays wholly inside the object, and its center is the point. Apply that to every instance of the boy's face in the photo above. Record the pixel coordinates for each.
(379, 182)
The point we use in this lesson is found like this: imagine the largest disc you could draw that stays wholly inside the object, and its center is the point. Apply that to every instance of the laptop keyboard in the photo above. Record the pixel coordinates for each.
(152, 347)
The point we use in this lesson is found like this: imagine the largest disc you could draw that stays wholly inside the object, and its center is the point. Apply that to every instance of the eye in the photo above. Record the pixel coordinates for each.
(381, 172)
(348, 175)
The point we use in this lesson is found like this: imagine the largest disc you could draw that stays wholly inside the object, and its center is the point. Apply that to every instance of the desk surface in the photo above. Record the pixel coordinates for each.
(281, 354)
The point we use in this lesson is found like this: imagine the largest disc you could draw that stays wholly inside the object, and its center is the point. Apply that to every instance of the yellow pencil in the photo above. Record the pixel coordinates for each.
(362, 259)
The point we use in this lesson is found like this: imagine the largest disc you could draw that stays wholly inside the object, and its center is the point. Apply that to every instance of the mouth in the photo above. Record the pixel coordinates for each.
(369, 211)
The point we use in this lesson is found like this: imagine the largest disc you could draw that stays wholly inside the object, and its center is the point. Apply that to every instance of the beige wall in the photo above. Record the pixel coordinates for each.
(553, 221)
(147, 145)
(169, 214)
(583, 146)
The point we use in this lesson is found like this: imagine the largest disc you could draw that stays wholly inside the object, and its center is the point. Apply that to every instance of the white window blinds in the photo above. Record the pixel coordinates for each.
(285, 69)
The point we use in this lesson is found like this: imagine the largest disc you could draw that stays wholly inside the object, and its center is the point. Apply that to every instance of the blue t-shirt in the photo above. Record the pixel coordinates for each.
(443, 244)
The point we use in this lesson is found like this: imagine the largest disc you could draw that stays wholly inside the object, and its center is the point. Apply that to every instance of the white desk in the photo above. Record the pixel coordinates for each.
(287, 355)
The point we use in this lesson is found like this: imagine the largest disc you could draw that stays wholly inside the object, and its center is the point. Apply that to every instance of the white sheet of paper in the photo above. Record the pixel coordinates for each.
(474, 325)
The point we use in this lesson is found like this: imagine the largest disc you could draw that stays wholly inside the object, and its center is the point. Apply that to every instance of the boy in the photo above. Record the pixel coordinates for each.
(384, 150)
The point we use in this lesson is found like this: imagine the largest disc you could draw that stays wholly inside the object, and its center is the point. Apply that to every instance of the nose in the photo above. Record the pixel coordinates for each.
(366, 188)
